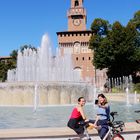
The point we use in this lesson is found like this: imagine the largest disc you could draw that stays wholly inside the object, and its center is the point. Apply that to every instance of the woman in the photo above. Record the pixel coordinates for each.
(103, 116)
(78, 115)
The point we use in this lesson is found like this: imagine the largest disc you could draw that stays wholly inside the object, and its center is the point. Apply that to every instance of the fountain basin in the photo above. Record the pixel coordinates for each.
(57, 115)
(49, 93)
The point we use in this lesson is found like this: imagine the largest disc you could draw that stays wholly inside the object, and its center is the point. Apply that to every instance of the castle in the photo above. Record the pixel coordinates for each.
(76, 41)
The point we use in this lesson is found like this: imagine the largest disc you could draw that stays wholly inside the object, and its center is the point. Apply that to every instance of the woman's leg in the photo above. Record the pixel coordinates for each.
(103, 128)
(103, 131)
(73, 124)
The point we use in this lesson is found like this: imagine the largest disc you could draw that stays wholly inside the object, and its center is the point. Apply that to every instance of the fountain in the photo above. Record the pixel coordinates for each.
(127, 96)
(57, 116)
(36, 98)
(41, 65)
(46, 78)
(50, 85)
(135, 97)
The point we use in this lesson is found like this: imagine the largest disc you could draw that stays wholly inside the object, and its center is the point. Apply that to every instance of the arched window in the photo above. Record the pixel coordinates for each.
(76, 3)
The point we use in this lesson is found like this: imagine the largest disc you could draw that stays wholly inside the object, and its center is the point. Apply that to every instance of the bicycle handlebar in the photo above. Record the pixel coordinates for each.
(138, 121)
(113, 114)
(116, 124)
(137, 111)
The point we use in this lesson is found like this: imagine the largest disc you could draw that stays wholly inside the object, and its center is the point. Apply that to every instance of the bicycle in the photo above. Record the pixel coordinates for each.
(138, 121)
(115, 127)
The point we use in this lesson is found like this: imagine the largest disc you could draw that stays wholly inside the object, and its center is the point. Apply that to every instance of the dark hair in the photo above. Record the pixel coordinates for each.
(79, 99)
(103, 96)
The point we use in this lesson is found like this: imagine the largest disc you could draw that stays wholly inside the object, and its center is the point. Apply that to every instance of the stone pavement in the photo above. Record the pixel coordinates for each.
(126, 137)
(61, 133)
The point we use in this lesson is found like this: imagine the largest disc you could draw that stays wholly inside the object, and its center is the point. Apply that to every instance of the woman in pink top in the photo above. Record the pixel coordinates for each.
(77, 115)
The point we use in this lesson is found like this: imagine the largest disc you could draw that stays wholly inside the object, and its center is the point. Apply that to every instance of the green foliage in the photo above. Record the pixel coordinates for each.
(136, 20)
(137, 87)
(11, 63)
(100, 26)
(116, 47)
(27, 46)
(4, 66)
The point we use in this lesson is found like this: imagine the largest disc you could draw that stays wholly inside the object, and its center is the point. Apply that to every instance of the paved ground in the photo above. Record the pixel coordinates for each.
(126, 136)
(130, 132)
(129, 136)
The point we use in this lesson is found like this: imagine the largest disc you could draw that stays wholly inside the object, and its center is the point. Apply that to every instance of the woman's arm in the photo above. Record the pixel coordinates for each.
(96, 120)
(103, 106)
(80, 109)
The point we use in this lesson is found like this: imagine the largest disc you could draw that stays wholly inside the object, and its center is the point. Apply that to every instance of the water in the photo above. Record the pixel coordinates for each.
(36, 98)
(127, 96)
(135, 97)
(42, 65)
(57, 116)
(121, 84)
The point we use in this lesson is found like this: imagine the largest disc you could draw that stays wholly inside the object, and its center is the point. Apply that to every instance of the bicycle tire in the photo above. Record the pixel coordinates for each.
(117, 137)
(138, 137)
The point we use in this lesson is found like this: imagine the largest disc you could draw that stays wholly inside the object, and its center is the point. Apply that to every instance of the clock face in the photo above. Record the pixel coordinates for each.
(76, 22)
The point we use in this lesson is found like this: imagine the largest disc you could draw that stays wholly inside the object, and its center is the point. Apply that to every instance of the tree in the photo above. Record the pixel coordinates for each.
(14, 54)
(100, 29)
(136, 20)
(11, 63)
(117, 48)
(27, 46)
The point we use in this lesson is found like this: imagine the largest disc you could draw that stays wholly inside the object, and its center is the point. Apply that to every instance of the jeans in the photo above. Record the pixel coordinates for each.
(104, 128)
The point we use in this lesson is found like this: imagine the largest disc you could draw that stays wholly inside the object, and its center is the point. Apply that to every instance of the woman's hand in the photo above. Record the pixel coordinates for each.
(97, 127)
(103, 106)
(87, 120)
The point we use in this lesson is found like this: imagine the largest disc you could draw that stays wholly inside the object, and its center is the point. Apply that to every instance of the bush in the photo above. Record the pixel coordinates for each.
(137, 87)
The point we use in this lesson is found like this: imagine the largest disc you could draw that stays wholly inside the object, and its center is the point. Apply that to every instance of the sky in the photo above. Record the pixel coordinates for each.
(24, 22)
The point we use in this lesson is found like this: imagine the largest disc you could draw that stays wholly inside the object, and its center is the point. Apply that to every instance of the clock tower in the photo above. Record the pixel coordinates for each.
(75, 40)
(76, 16)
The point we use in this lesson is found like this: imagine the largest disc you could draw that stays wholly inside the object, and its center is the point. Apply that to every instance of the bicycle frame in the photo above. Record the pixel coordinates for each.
(109, 135)
(138, 136)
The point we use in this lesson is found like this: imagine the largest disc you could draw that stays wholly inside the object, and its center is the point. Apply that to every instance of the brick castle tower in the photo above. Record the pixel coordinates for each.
(76, 40)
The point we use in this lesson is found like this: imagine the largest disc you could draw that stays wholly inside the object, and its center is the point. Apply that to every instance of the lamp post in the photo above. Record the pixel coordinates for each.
(95, 82)
(95, 76)
(94, 92)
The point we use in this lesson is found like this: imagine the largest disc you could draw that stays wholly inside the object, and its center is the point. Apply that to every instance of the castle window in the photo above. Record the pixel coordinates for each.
(89, 58)
(76, 3)
(76, 58)
(83, 58)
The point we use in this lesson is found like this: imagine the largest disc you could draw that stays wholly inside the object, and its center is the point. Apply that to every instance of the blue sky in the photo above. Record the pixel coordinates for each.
(25, 21)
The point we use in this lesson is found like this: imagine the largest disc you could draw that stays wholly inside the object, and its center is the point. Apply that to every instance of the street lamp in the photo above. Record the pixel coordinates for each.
(94, 92)
(95, 69)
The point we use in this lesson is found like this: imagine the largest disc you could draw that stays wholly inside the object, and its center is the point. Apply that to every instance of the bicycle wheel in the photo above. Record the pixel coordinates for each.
(138, 137)
(117, 137)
